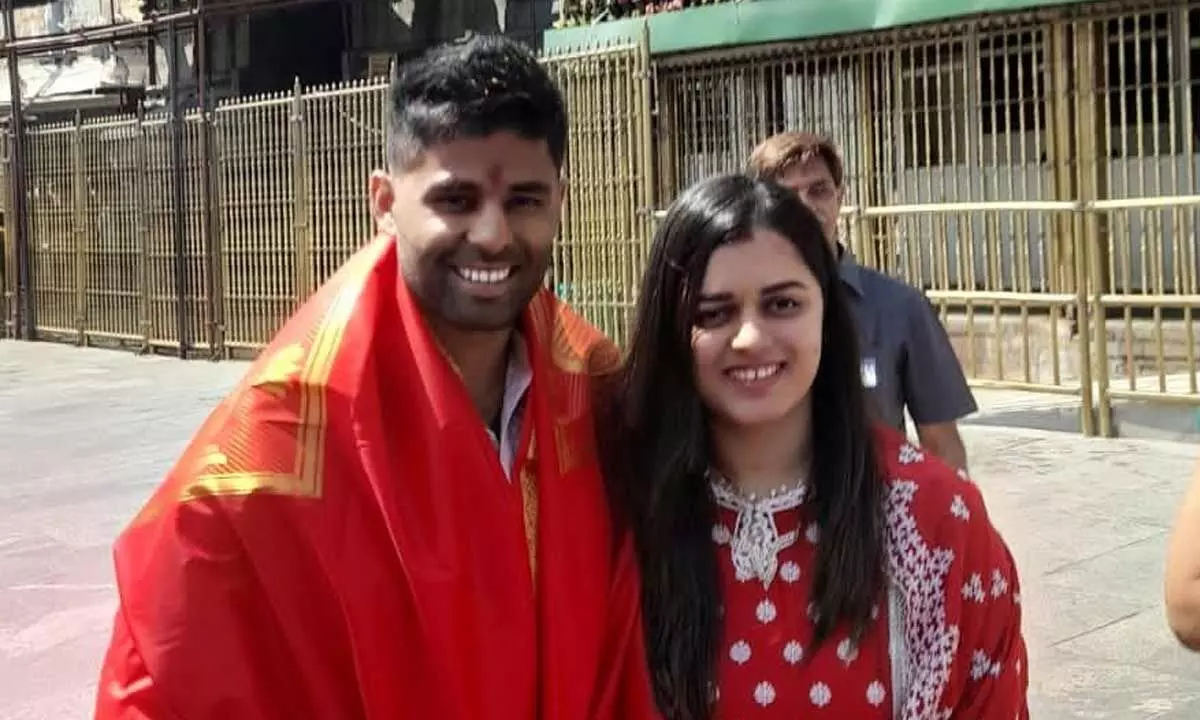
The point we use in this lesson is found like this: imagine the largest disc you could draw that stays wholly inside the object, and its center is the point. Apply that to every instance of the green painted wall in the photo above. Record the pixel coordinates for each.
(763, 21)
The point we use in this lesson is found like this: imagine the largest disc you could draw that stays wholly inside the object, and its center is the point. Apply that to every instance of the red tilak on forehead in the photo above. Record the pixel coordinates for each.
(495, 177)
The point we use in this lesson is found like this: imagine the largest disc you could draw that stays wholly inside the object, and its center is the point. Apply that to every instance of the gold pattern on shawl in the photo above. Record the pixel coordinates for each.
(281, 370)
(301, 397)
(212, 457)
(529, 504)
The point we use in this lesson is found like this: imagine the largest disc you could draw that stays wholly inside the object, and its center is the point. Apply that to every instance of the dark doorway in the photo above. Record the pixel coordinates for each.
(305, 41)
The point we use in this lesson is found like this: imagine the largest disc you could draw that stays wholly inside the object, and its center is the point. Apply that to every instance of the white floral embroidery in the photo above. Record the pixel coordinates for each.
(793, 653)
(812, 533)
(999, 584)
(876, 693)
(973, 588)
(720, 534)
(920, 572)
(765, 612)
(789, 572)
(910, 455)
(846, 651)
(820, 694)
(740, 652)
(764, 693)
(959, 509)
(982, 666)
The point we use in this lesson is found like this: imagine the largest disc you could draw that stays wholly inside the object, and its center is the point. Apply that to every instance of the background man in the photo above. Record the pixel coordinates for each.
(907, 359)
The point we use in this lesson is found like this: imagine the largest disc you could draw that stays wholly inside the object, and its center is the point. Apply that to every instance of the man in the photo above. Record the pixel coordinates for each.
(907, 359)
(399, 513)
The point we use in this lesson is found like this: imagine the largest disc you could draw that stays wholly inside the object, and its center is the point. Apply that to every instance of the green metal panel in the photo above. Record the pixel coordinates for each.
(763, 21)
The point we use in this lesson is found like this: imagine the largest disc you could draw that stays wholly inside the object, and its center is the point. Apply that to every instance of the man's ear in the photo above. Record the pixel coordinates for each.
(383, 197)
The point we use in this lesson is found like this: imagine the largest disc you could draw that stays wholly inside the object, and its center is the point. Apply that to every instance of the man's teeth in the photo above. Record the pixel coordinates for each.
(480, 275)
(753, 374)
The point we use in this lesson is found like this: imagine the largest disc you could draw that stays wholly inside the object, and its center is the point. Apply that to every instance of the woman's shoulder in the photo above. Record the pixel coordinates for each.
(925, 490)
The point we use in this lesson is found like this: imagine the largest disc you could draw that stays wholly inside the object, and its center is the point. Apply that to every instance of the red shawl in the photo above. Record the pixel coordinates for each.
(339, 539)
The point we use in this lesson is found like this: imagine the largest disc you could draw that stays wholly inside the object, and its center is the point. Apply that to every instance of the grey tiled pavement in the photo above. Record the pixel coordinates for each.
(85, 435)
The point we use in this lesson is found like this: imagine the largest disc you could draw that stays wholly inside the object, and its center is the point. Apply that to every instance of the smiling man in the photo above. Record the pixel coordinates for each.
(399, 513)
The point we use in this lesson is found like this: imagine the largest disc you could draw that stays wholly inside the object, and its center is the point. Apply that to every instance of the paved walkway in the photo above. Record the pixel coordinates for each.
(85, 435)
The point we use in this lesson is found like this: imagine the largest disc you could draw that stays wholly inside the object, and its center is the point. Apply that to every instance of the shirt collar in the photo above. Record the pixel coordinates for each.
(849, 271)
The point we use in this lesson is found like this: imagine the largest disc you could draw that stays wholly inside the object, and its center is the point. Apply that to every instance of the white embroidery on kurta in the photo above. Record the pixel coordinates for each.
(876, 693)
(766, 612)
(973, 588)
(793, 653)
(910, 455)
(764, 693)
(740, 652)
(983, 666)
(921, 573)
(847, 651)
(999, 583)
(789, 572)
(820, 694)
(958, 508)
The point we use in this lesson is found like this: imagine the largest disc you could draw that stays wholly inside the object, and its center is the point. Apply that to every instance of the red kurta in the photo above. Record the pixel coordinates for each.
(339, 540)
(961, 619)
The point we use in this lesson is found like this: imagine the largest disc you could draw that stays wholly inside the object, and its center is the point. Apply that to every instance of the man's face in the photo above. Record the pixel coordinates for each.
(474, 221)
(811, 180)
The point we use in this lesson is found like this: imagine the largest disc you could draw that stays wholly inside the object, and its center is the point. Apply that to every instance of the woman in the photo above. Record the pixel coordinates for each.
(795, 556)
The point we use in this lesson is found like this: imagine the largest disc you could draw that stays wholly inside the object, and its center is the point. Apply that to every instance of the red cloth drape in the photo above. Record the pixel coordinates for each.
(339, 539)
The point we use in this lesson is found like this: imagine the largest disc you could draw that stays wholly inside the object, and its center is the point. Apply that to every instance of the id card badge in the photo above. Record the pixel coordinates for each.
(869, 378)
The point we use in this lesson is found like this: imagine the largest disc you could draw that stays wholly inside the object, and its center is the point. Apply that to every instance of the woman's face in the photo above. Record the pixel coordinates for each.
(756, 335)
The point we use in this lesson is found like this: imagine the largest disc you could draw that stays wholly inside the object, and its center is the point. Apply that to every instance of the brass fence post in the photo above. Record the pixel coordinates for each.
(1092, 168)
(141, 153)
(78, 226)
(301, 202)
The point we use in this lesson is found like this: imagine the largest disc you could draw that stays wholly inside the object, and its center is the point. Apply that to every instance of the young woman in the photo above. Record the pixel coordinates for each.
(797, 559)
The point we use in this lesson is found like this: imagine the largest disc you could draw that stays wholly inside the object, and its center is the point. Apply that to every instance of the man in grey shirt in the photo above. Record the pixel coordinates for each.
(907, 359)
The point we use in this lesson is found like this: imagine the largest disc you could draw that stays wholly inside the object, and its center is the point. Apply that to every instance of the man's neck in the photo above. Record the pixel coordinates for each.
(481, 359)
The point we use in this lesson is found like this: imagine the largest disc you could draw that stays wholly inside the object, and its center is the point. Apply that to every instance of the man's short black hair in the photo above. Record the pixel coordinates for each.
(474, 88)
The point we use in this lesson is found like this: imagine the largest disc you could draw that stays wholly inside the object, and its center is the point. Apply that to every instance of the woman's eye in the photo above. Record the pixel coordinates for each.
(710, 318)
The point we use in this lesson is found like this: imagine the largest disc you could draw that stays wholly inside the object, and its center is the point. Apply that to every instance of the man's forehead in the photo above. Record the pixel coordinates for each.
(806, 170)
(437, 168)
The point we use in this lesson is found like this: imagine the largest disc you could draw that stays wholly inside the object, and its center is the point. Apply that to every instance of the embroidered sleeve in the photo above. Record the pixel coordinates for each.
(989, 676)
(966, 658)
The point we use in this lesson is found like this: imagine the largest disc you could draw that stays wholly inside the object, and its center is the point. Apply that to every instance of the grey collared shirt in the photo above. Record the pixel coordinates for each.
(907, 360)
(517, 380)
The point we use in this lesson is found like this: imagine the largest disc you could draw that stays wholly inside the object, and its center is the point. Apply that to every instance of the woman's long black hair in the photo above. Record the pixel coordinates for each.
(657, 445)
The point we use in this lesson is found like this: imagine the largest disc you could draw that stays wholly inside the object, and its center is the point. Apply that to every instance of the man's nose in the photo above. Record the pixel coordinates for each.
(491, 233)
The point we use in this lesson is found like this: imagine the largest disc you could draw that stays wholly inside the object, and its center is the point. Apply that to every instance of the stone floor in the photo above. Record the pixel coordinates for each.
(85, 435)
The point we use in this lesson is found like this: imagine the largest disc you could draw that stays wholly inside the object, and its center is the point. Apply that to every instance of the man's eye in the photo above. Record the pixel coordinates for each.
(453, 203)
(526, 202)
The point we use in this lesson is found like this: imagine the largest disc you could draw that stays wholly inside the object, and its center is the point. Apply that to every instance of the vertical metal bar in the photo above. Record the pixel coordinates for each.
(207, 172)
(142, 153)
(300, 200)
(1093, 166)
(78, 228)
(178, 229)
(24, 297)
